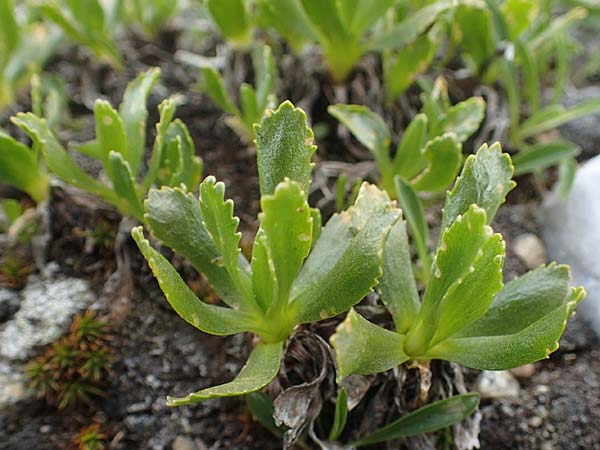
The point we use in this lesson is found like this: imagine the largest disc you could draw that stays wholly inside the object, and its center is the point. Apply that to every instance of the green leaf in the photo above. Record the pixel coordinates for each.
(485, 181)
(284, 148)
(367, 127)
(364, 13)
(208, 318)
(345, 263)
(57, 158)
(262, 409)
(265, 74)
(433, 417)
(555, 116)
(166, 110)
(215, 88)
(231, 18)
(403, 67)
(289, 19)
(261, 368)
(523, 324)
(263, 272)
(415, 215)
(501, 352)
(542, 156)
(340, 416)
(406, 31)
(286, 226)
(124, 185)
(190, 166)
(110, 132)
(174, 218)
(469, 298)
(397, 287)
(474, 22)
(362, 347)
(250, 113)
(459, 248)
(409, 160)
(519, 15)
(133, 112)
(9, 29)
(444, 156)
(19, 168)
(325, 18)
(463, 119)
(567, 170)
(88, 13)
(221, 225)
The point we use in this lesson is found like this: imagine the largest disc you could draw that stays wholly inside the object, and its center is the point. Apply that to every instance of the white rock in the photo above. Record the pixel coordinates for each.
(12, 386)
(493, 384)
(530, 249)
(183, 443)
(47, 306)
(571, 231)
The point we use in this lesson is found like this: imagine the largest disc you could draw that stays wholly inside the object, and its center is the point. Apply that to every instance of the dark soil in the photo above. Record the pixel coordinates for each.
(157, 354)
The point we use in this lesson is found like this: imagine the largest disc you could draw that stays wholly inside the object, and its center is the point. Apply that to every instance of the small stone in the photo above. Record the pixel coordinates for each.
(535, 422)
(12, 388)
(497, 384)
(524, 372)
(140, 422)
(183, 443)
(45, 429)
(46, 309)
(530, 250)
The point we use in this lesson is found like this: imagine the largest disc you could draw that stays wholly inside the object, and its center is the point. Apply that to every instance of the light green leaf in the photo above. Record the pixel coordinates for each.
(231, 18)
(19, 168)
(265, 74)
(409, 160)
(474, 25)
(287, 232)
(221, 225)
(406, 31)
(289, 19)
(261, 368)
(485, 181)
(340, 416)
(397, 287)
(110, 132)
(284, 148)
(500, 352)
(364, 13)
(362, 347)
(325, 17)
(433, 417)
(404, 66)
(57, 158)
(567, 170)
(444, 156)
(415, 215)
(542, 156)
(263, 272)
(190, 166)
(124, 185)
(215, 88)
(469, 298)
(250, 113)
(174, 218)
(166, 110)
(345, 263)
(523, 301)
(9, 29)
(90, 148)
(459, 247)
(317, 225)
(133, 112)
(463, 119)
(519, 15)
(208, 318)
(555, 116)
(367, 127)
